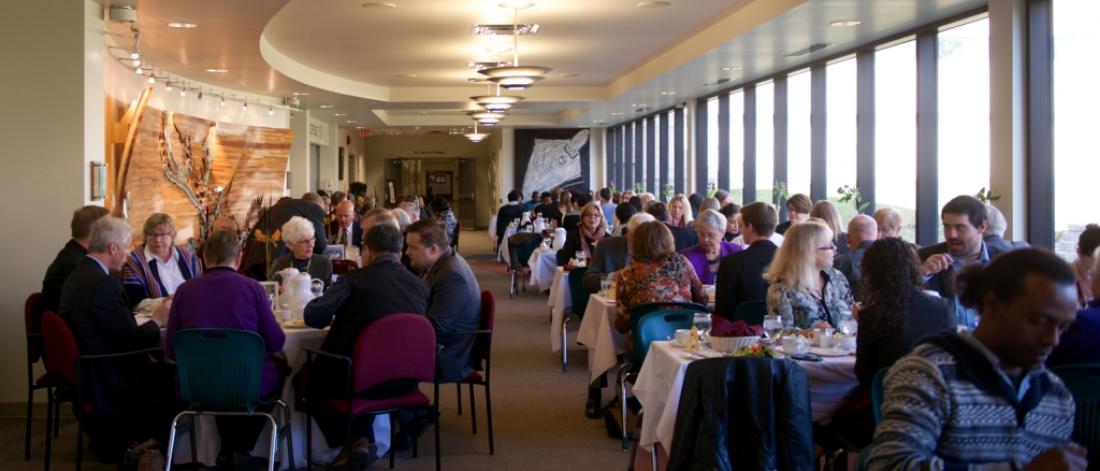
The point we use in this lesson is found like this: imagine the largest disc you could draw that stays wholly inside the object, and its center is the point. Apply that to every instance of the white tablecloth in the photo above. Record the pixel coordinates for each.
(209, 441)
(662, 378)
(543, 263)
(560, 301)
(597, 333)
(502, 249)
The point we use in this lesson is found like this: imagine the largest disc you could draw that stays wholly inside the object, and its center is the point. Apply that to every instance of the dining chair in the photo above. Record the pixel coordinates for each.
(657, 325)
(394, 347)
(520, 248)
(578, 300)
(458, 230)
(637, 312)
(751, 312)
(1083, 382)
(482, 362)
(33, 329)
(220, 371)
(339, 267)
(67, 366)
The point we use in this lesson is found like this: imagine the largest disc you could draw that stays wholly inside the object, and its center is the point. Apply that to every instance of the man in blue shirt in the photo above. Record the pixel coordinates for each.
(531, 203)
(964, 225)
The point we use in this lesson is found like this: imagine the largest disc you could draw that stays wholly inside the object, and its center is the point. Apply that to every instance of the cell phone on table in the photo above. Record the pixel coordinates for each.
(806, 357)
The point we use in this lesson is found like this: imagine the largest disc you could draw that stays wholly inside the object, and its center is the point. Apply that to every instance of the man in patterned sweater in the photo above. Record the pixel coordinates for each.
(984, 401)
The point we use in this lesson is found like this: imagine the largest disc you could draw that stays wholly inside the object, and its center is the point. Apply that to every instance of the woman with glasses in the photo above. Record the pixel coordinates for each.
(298, 234)
(591, 229)
(157, 268)
(712, 247)
(804, 288)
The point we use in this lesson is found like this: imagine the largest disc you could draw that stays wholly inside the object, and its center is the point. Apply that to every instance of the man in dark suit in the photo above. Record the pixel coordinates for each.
(740, 276)
(964, 226)
(862, 232)
(508, 213)
(455, 301)
(70, 256)
(343, 230)
(129, 395)
(382, 287)
(612, 254)
(685, 237)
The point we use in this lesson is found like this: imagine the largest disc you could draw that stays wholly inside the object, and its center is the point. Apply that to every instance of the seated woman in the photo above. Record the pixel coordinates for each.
(897, 311)
(158, 267)
(705, 257)
(1087, 244)
(224, 299)
(733, 226)
(571, 214)
(827, 212)
(656, 274)
(804, 288)
(442, 210)
(679, 211)
(298, 236)
(1078, 343)
(591, 230)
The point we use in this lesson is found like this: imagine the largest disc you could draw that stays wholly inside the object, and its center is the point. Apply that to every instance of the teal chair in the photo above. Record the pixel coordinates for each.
(220, 372)
(578, 298)
(751, 312)
(877, 394)
(639, 311)
(658, 325)
(1083, 382)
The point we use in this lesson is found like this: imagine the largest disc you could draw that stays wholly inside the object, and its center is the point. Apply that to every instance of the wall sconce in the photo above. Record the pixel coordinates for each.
(99, 181)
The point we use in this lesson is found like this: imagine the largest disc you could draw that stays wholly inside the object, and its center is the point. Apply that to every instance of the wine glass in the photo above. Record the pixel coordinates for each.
(773, 326)
(702, 321)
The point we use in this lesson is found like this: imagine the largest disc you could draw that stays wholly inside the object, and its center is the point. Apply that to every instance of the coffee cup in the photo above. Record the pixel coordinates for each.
(793, 345)
(683, 336)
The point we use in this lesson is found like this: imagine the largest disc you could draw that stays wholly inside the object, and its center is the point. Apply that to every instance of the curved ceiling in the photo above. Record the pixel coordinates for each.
(406, 66)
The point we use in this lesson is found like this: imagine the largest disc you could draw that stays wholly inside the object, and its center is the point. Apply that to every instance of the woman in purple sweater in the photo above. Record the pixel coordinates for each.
(704, 257)
(224, 299)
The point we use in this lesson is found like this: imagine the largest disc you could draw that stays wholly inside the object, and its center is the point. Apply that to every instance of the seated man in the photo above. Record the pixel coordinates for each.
(455, 301)
(131, 398)
(985, 401)
(221, 298)
(889, 222)
(685, 237)
(382, 287)
(70, 256)
(508, 213)
(612, 254)
(862, 232)
(740, 276)
(343, 230)
(994, 236)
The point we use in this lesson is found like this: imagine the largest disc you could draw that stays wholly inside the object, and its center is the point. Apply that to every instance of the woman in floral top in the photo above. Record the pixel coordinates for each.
(804, 288)
(656, 274)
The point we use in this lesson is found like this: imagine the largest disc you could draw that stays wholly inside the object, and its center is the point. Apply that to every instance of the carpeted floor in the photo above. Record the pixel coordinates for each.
(538, 414)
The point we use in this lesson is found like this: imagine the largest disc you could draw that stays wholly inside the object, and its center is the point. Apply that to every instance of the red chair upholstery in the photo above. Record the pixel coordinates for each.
(32, 325)
(482, 363)
(397, 346)
(339, 267)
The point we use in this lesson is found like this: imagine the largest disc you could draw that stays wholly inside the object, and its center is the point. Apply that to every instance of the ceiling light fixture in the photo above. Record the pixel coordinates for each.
(654, 4)
(138, 70)
(215, 70)
(339, 114)
(270, 110)
(497, 103)
(476, 136)
(516, 77)
(300, 93)
(381, 5)
(327, 107)
(730, 68)
(845, 23)
(516, 4)
(486, 115)
(667, 93)
(495, 29)
(182, 25)
(136, 62)
(244, 107)
(183, 92)
(167, 86)
(152, 80)
(222, 102)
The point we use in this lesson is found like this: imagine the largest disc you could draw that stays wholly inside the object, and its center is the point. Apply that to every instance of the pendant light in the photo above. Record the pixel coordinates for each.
(476, 136)
(515, 77)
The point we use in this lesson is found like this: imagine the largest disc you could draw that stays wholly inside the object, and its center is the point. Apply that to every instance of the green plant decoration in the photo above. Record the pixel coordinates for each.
(851, 194)
(639, 187)
(668, 191)
(779, 192)
(711, 189)
(987, 196)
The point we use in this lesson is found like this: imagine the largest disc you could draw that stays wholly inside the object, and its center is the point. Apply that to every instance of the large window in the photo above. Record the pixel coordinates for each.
(737, 145)
(1076, 101)
(712, 141)
(963, 110)
(798, 132)
(896, 133)
(668, 173)
(642, 128)
(765, 140)
(840, 118)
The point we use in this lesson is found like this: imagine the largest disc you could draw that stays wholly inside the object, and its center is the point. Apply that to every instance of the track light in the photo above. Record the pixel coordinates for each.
(167, 86)
(270, 111)
(244, 107)
(222, 102)
(152, 80)
(136, 62)
(183, 92)
(138, 70)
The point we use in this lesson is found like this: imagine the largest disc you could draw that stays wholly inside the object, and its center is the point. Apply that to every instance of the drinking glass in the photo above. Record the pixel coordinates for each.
(773, 326)
(605, 284)
(847, 325)
(579, 256)
(701, 321)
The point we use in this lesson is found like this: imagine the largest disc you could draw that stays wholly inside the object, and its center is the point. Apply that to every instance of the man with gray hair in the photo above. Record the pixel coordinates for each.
(862, 232)
(128, 399)
(994, 235)
(70, 256)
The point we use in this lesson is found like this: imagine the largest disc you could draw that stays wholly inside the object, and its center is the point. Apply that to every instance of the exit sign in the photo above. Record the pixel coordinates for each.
(364, 132)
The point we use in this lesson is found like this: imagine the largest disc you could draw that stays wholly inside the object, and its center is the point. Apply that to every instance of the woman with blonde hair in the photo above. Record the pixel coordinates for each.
(827, 212)
(679, 211)
(804, 288)
(591, 229)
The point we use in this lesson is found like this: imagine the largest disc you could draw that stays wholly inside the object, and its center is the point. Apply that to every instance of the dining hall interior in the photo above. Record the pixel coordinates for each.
(799, 213)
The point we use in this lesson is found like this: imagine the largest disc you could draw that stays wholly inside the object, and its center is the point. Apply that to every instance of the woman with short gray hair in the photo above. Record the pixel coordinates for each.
(299, 237)
(706, 256)
(159, 266)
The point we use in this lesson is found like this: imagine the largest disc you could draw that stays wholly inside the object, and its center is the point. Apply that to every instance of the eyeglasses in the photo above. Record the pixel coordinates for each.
(828, 247)
(161, 234)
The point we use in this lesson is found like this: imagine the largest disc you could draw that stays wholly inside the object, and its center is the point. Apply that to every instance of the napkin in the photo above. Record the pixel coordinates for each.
(722, 327)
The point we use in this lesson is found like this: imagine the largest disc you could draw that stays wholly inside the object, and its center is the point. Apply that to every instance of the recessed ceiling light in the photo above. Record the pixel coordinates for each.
(654, 4)
(352, 121)
(616, 114)
(667, 93)
(300, 93)
(215, 70)
(406, 76)
(327, 107)
(382, 5)
(339, 114)
(516, 4)
(570, 75)
(182, 25)
(505, 29)
(729, 68)
(846, 23)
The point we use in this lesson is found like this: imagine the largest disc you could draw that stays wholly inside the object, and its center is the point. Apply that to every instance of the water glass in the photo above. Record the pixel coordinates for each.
(579, 256)
(773, 326)
(605, 284)
(702, 321)
(847, 325)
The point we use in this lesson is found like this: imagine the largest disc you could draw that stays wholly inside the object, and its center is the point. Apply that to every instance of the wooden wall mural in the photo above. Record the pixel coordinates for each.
(194, 169)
